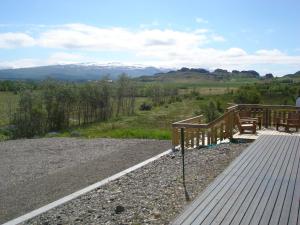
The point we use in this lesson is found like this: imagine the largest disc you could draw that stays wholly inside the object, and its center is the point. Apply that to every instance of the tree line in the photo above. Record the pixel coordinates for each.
(55, 106)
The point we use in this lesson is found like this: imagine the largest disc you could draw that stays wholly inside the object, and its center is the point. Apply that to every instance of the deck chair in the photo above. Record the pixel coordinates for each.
(245, 125)
(293, 121)
(246, 116)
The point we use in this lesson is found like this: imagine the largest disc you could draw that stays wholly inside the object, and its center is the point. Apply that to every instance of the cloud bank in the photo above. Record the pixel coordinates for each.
(150, 46)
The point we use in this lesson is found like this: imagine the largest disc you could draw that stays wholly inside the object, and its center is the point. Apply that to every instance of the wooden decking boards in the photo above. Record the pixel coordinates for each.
(262, 186)
(264, 131)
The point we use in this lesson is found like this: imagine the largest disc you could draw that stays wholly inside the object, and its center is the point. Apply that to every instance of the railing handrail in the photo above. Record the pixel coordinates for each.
(186, 120)
(268, 106)
(198, 133)
(183, 123)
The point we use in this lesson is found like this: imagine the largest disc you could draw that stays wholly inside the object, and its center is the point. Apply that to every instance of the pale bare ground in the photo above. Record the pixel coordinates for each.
(35, 172)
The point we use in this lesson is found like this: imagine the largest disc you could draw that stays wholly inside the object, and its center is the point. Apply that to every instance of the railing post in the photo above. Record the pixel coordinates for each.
(182, 152)
(175, 137)
(267, 118)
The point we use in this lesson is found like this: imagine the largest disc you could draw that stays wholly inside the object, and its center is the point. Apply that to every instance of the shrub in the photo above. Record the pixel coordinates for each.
(30, 117)
(210, 111)
(145, 106)
(75, 133)
(247, 96)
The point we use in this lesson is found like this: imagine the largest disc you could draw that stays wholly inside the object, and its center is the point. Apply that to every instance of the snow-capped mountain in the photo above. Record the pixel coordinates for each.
(81, 71)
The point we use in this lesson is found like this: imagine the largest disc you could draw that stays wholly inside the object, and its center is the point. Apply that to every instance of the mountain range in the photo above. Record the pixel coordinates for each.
(78, 72)
(93, 71)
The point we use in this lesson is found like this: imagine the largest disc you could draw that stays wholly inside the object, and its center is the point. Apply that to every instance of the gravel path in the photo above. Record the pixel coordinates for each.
(153, 194)
(35, 172)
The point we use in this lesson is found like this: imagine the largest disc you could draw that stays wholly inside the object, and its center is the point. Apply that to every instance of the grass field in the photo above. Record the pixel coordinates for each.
(154, 124)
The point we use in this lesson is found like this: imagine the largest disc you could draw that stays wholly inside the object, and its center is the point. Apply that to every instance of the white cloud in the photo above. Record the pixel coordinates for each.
(14, 40)
(157, 47)
(272, 52)
(53, 59)
(65, 58)
(217, 38)
(80, 36)
(235, 52)
(201, 20)
(21, 63)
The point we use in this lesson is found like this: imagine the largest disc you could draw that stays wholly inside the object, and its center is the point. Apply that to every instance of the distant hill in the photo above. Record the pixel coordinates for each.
(186, 74)
(77, 72)
(295, 75)
(92, 71)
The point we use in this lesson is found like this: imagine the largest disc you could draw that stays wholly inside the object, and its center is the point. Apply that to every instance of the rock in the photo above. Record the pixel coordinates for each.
(172, 155)
(91, 211)
(156, 213)
(119, 209)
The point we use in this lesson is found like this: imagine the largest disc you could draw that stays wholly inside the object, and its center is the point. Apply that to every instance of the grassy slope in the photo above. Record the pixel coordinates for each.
(154, 124)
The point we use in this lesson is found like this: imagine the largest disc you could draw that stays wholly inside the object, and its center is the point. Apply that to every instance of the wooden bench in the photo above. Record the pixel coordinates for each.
(246, 124)
(293, 121)
(246, 115)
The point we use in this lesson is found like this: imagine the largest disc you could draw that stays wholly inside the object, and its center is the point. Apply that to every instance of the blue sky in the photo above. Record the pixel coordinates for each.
(260, 35)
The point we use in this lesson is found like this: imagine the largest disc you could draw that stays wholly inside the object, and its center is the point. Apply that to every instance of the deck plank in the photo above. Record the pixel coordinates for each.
(263, 199)
(229, 177)
(285, 180)
(240, 206)
(269, 207)
(236, 189)
(260, 187)
(220, 180)
(286, 209)
(294, 217)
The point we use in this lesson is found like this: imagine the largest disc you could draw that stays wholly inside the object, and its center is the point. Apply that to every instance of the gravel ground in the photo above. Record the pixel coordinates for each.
(153, 194)
(35, 172)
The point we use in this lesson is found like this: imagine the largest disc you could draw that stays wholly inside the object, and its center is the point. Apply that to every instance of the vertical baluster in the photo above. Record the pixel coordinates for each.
(192, 138)
(222, 132)
(208, 137)
(203, 137)
(197, 138)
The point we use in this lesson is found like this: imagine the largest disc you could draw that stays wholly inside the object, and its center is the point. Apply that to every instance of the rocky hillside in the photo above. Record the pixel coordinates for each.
(201, 74)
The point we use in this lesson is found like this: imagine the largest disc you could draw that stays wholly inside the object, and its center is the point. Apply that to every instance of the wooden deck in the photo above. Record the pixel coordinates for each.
(264, 131)
(262, 186)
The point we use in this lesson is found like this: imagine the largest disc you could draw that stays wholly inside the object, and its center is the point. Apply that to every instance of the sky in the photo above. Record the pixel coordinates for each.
(261, 35)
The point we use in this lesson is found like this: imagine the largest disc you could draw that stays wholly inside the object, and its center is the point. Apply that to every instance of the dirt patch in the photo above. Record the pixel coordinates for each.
(35, 172)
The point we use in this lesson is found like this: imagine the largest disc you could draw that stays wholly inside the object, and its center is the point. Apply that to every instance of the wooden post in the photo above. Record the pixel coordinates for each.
(182, 153)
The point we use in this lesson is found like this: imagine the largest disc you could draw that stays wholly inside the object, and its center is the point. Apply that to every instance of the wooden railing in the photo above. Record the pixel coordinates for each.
(197, 133)
(269, 113)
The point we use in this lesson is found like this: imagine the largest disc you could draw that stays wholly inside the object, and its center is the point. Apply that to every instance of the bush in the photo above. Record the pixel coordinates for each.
(145, 106)
(247, 96)
(75, 133)
(210, 111)
(199, 98)
(30, 117)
